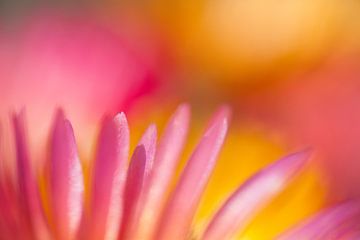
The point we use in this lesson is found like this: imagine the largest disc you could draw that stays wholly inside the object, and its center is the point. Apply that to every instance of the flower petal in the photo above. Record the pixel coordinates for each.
(28, 189)
(331, 222)
(184, 201)
(252, 196)
(8, 203)
(108, 181)
(138, 175)
(66, 180)
(167, 156)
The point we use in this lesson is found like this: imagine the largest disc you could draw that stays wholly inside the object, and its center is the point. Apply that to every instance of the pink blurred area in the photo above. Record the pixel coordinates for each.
(51, 59)
(320, 108)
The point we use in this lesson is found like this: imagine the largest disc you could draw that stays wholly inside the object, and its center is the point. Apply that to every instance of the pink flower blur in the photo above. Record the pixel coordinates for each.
(51, 59)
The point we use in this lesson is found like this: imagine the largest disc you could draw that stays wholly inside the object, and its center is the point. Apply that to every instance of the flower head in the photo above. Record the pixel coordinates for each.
(115, 200)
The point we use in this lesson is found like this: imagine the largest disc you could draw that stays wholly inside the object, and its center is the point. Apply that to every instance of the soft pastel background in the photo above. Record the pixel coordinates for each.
(290, 70)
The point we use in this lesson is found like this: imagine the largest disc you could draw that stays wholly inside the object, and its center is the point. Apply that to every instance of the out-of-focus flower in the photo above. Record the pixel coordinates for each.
(114, 201)
(52, 58)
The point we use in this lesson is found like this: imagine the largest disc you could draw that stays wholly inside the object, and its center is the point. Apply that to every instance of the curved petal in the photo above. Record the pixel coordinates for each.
(252, 196)
(330, 222)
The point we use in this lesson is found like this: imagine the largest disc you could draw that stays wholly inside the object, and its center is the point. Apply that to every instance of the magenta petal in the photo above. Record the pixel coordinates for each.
(138, 176)
(8, 204)
(167, 156)
(223, 111)
(252, 196)
(184, 201)
(66, 180)
(108, 180)
(336, 221)
(28, 189)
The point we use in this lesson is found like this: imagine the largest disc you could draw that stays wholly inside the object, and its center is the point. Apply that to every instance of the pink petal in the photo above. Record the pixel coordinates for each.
(353, 234)
(223, 111)
(184, 201)
(349, 229)
(28, 189)
(12, 223)
(6, 219)
(167, 156)
(11, 217)
(252, 196)
(326, 224)
(66, 180)
(138, 175)
(109, 175)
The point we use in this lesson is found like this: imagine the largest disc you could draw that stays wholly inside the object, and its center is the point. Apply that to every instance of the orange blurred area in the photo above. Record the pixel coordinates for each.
(257, 41)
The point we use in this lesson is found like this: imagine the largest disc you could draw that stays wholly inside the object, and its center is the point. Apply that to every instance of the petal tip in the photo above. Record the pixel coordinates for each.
(293, 163)
(218, 125)
(149, 136)
(183, 107)
(182, 113)
(120, 117)
(301, 157)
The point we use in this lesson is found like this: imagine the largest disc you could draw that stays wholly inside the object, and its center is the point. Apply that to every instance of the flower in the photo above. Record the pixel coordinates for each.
(115, 201)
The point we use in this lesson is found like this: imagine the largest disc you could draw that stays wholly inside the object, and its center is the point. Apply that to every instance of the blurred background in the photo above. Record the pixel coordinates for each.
(290, 71)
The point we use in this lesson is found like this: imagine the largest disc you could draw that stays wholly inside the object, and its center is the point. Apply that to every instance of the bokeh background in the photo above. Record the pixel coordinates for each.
(290, 71)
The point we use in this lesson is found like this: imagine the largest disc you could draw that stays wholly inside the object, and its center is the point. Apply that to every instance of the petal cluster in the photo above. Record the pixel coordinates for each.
(114, 199)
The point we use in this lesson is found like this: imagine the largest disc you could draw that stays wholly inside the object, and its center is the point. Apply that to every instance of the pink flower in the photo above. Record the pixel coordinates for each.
(111, 200)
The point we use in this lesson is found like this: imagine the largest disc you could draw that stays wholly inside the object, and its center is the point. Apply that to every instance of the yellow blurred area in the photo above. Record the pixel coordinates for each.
(257, 40)
(248, 149)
